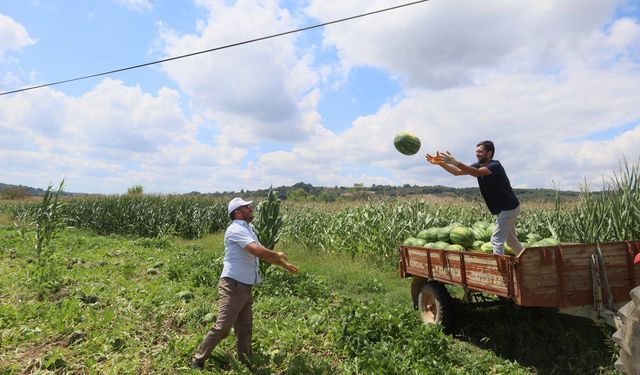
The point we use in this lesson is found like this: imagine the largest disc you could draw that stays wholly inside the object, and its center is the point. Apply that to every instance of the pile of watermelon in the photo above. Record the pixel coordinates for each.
(475, 238)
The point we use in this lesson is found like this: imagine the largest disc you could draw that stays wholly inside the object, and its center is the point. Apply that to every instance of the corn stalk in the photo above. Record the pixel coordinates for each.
(268, 223)
(47, 222)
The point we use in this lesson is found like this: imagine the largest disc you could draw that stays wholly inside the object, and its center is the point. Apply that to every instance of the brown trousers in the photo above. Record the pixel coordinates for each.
(234, 310)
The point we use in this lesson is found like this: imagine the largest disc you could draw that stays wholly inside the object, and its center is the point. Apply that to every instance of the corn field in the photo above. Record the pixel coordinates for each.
(374, 229)
(371, 229)
(140, 215)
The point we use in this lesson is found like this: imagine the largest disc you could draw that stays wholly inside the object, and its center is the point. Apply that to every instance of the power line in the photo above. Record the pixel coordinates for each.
(214, 49)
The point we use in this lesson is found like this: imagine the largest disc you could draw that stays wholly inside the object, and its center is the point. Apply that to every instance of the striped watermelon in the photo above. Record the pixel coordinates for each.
(462, 236)
(406, 143)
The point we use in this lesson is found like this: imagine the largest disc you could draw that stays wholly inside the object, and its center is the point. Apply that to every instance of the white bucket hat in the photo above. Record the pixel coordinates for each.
(235, 203)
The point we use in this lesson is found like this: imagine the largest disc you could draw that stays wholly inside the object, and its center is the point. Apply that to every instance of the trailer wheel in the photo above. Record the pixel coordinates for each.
(627, 336)
(435, 304)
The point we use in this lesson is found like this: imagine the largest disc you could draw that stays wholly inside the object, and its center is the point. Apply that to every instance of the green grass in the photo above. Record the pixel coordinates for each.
(115, 307)
(5, 219)
(352, 277)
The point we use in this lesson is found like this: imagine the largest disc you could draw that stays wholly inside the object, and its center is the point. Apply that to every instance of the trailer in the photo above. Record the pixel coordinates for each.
(587, 280)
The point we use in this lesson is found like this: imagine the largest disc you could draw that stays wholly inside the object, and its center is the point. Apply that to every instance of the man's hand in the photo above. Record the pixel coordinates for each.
(448, 158)
(282, 262)
(436, 160)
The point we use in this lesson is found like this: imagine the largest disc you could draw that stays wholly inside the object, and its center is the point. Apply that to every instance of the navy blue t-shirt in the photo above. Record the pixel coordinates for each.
(496, 188)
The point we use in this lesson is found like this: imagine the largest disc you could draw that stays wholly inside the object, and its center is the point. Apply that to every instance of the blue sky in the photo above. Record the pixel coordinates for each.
(554, 84)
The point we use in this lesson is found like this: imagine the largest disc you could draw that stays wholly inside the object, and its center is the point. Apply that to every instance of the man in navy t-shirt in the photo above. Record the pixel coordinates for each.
(495, 189)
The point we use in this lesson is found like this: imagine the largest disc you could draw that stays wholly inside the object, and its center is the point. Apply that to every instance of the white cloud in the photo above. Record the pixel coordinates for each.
(13, 36)
(550, 82)
(441, 44)
(105, 140)
(136, 4)
(251, 92)
(541, 125)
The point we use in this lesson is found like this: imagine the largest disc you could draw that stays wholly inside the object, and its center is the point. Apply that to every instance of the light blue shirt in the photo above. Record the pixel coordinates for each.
(239, 264)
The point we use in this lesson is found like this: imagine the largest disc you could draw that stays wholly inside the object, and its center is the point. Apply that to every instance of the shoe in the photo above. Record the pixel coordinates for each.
(197, 365)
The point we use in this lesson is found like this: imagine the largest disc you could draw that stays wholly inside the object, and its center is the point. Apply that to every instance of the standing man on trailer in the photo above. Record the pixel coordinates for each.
(495, 189)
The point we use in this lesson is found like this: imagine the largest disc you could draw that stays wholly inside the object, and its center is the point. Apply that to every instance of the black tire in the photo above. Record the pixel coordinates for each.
(436, 306)
(627, 337)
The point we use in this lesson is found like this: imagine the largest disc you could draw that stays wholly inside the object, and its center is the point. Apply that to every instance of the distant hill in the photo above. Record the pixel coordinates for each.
(306, 192)
(30, 191)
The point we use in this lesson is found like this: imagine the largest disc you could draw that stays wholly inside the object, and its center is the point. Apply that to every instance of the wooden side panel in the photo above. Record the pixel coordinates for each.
(476, 271)
(557, 276)
(560, 276)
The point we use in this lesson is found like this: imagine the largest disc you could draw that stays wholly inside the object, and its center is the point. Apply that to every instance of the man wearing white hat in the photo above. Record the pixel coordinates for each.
(239, 273)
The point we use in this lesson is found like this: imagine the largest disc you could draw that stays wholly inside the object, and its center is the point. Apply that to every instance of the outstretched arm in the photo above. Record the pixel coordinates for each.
(449, 163)
(440, 160)
(269, 256)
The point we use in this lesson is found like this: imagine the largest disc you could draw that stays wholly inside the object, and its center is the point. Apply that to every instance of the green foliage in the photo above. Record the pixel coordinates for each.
(47, 221)
(141, 215)
(381, 339)
(135, 190)
(296, 195)
(269, 222)
(375, 229)
(278, 282)
(344, 318)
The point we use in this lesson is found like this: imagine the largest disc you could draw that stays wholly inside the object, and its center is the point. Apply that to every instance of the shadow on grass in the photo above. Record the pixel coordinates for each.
(549, 342)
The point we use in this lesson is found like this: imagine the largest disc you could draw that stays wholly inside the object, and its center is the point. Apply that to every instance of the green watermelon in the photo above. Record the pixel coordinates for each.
(480, 225)
(488, 232)
(443, 234)
(487, 248)
(549, 241)
(476, 245)
(478, 233)
(422, 234)
(185, 295)
(432, 235)
(462, 236)
(419, 242)
(409, 241)
(455, 247)
(406, 143)
(533, 237)
(440, 245)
